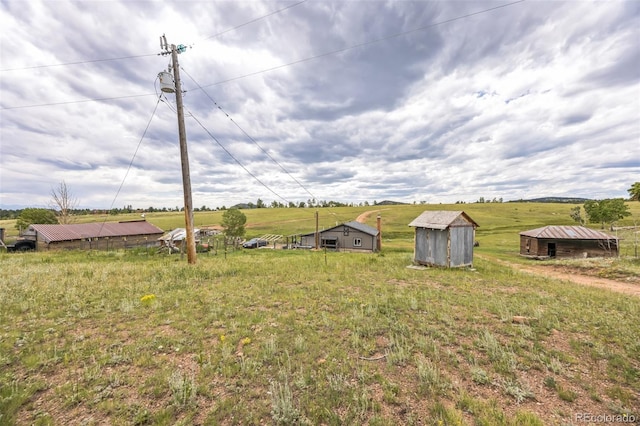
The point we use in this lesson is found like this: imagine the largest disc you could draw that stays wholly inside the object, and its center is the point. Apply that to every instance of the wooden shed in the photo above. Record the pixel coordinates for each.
(567, 242)
(349, 236)
(444, 238)
(95, 236)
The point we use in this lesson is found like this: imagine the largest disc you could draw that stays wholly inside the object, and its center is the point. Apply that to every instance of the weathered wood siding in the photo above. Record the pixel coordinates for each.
(461, 246)
(432, 247)
(113, 243)
(451, 247)
(567, 249)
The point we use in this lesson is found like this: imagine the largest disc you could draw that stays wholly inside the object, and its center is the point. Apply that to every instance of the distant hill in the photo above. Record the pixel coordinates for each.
(566, 200)
(389, 203)
(243, 206)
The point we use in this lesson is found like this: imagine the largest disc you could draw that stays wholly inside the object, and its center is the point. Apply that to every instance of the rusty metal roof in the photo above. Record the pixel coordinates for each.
(560, 232)
(440, 219)
(78, 231)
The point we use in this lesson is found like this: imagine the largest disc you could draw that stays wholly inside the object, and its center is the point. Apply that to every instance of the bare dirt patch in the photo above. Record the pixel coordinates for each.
(574, 275)
(364, 216)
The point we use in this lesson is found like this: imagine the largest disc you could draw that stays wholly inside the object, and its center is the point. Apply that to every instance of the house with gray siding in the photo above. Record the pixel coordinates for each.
(349, 236)
(444, 238)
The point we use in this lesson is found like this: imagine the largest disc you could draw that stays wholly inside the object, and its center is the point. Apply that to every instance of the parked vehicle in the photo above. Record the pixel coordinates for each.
(255, 243)
(22, 245)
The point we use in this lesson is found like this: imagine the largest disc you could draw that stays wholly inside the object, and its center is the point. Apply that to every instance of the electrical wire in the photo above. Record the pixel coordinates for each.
(236, 160)
(255, 20)
(355, 46)
(77, 102)
(88, 61)
(366, 43)
(249, 136)
(132, 159)
(258, 145)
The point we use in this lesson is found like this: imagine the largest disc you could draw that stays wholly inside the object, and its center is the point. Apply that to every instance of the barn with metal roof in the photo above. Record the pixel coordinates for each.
(567, 242)
(94, 236)
(444, 238)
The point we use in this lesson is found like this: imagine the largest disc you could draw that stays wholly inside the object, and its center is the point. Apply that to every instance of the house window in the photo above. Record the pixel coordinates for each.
(357, 242)
(345, 231)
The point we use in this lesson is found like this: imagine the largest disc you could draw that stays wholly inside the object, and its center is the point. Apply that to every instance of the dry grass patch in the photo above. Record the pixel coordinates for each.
(284, 336)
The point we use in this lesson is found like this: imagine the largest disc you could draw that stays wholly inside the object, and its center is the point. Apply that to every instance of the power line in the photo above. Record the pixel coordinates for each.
(366, 43)
(321, 55)
(249, 136)
(258, 145)
(255, 20)
(133, 158)
(77, 102)
(89, 61)
(236, 160)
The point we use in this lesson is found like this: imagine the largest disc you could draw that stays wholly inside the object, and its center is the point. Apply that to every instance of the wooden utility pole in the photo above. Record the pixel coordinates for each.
(184, 155)
(379, 237)
(317, 233)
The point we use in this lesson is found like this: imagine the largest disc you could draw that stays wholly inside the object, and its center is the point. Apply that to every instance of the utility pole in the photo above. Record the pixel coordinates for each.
(184, 155)
(317, 233)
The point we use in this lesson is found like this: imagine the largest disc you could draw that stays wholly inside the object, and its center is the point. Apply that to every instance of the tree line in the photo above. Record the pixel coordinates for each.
(63, 207)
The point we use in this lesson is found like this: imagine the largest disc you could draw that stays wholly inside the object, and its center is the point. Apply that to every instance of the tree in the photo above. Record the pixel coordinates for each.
(634, 192)
(605, 211)
(63, 202)
(233, 221)
(576, 214)
(30, 216)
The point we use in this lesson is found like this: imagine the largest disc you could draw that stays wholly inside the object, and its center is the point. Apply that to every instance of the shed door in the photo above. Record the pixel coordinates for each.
(551, 249)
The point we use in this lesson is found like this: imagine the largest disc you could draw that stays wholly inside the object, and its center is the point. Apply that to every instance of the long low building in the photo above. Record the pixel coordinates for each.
(94, 236)
(567, 242)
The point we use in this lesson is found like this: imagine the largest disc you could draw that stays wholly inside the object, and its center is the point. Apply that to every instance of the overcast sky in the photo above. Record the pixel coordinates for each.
(348, 100)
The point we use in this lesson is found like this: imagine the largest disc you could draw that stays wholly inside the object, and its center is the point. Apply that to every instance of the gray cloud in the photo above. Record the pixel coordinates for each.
(528, 100)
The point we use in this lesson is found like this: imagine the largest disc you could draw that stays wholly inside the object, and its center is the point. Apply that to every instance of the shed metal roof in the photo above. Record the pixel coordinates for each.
(440, 219)
(78, 231)
(561, 232)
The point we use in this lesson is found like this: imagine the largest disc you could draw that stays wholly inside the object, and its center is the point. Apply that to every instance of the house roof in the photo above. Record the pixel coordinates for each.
(362, 227)
(441, 219)
(78, 231)
(559, 232)
(354, 225)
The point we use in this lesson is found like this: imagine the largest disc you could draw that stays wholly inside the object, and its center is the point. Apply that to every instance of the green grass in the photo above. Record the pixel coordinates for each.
(306, 337)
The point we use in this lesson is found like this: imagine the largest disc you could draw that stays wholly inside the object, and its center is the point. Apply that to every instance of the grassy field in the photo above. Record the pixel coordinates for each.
(313, 337)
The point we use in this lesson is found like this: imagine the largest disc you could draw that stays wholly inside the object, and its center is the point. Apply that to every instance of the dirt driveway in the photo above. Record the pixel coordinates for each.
(630, 288)
(364, 216)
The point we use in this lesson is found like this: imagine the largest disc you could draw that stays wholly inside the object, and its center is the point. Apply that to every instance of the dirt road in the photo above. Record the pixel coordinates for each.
(364, 216)
(629, 288)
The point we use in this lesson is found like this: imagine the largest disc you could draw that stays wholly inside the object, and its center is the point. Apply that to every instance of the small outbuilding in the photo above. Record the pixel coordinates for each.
(94, 236)
(567, 242)
(444, 238)
(349, 236)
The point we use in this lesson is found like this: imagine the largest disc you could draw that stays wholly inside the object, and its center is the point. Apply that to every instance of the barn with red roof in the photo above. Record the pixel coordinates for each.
(94, 236)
